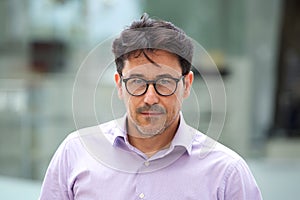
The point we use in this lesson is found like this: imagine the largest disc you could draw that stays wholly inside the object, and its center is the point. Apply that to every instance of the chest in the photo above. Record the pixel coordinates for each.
(183, 179)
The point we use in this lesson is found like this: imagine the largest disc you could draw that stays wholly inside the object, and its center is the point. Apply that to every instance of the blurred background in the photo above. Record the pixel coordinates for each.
(255, 45)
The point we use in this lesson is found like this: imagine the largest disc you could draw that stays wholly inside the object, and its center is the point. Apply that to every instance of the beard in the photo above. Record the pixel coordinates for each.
(152, 125)
(152, 129)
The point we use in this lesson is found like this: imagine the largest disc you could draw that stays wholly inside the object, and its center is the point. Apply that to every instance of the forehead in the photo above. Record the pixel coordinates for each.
(164, 63)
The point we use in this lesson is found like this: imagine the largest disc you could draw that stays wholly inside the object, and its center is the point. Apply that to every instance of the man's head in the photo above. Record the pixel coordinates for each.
(153, 61)
(146, 35)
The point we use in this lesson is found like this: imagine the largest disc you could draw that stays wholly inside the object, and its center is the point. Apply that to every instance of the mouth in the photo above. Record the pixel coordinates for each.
(151, 113)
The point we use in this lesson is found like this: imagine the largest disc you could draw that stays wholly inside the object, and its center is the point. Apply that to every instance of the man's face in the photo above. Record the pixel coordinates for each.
(151, 114)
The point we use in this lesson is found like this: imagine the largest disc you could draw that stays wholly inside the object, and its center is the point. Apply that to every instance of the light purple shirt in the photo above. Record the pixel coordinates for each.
(99, 163)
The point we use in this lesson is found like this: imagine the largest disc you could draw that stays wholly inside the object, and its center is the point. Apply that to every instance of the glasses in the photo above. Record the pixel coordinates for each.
(165, 86)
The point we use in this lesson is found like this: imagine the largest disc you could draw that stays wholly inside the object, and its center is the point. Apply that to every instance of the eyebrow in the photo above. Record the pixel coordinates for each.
(158, 76)
(136, 75)
(165, 75)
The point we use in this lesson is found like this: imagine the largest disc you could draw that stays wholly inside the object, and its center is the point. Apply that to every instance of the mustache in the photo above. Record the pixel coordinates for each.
(151, 108)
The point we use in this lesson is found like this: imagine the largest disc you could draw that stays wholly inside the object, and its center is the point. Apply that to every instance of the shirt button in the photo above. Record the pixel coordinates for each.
(147, 163)
(142, 195)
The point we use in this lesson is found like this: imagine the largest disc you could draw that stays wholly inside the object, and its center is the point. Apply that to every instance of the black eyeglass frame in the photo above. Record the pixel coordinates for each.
(153, 82)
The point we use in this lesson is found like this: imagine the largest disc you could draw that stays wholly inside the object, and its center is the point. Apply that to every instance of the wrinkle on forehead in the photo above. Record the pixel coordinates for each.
(151, 56)
(161, 62)
(151, 71)
(144, 53)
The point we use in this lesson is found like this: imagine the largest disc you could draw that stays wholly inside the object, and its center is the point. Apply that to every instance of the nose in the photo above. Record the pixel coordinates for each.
(151, 97)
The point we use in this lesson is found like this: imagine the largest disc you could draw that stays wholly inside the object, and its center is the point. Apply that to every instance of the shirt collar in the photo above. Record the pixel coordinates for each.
(115, 132)
(184, 136)
(114, 129)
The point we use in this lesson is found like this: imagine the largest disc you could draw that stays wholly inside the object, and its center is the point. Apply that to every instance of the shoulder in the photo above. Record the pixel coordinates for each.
(222, 161)
(210, 150)
(75, 136)
(107, 128)
(75, 142)
(90, 140)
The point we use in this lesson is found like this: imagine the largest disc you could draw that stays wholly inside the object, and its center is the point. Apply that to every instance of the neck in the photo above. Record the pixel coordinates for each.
(151, 145)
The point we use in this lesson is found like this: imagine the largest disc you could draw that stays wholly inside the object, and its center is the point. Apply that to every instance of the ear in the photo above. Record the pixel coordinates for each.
(119, 85)
(188, 81)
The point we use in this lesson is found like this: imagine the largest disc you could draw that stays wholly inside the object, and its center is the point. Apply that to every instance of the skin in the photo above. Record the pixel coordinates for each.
(153, 119)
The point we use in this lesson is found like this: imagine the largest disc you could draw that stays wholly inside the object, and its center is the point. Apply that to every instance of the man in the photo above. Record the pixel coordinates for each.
(151, 153)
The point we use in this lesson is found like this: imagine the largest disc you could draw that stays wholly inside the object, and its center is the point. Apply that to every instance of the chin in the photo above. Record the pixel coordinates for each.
(150, 131)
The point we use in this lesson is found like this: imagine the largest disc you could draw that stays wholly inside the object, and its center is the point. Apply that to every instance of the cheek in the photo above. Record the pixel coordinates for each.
(179, 97)
(174, 104)
(130, 103)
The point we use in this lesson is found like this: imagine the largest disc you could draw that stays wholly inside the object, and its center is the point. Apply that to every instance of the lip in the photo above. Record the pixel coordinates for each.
(151, 113)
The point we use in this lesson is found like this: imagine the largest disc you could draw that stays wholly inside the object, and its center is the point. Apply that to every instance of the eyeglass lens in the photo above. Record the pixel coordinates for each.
(163, 86)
